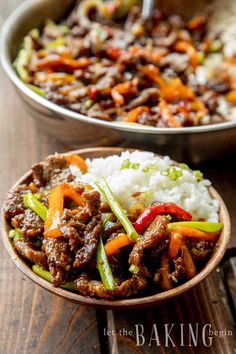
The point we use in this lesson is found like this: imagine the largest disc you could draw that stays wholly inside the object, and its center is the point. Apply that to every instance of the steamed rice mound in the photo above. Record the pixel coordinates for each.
(157, 177)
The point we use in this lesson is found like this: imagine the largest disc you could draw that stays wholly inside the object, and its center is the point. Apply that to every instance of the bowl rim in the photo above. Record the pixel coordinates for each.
(14, 17)
(146, 301)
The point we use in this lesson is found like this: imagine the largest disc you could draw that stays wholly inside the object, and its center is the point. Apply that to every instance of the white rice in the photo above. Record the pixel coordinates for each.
(185, 191)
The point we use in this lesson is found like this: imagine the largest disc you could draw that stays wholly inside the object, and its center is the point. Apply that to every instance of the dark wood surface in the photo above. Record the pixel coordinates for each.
(34, 321)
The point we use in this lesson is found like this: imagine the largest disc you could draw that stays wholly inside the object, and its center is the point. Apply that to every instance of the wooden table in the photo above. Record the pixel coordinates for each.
(34, 321)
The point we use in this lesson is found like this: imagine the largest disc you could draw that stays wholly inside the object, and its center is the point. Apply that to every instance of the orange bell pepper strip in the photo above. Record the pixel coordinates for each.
(190, 268)
(152, 72)
(63, 63)
(70, 192)
(175, 243)
(56, 205)
(57, 77)
(189, 49)
(133, 115)
(167, 115)
(231, 97)
(197, 22)
(199, 235)
(55, 211)
(174, 89)
(170, 89)
(121, 90)
(112, 246)
(74, 159)
(177, 235)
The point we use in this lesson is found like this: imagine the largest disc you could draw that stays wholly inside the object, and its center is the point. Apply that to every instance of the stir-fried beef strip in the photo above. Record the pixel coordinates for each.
(154, 234)
(53, 171)
(107, 69)
(200, 249)
(90, 241)
(93, 202)
(29, 223)
(112, 229)
(156, 251)
(59, 258)
(130, 287)
(26, 249)
(14, 204)
(179, 270)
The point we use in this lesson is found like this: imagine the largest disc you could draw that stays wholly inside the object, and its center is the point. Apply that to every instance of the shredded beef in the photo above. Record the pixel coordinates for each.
(29, 223)
(130, 287)
(53, 171)
(14, 204)
(179, 270)
(90, 241)
(200, 249)
(26, 249)
(154, 234)
(147, 94)
(93, 202)
(59, 258)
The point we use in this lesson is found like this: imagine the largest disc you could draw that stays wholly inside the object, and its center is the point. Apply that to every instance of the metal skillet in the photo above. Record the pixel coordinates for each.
(73, 129)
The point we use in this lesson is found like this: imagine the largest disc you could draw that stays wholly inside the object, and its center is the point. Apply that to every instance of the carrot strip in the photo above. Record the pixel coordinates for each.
(188, 48)
(188, 262)
(134, 113)
(74, 159)
(112, 246)
(165, 265)
(175, 243)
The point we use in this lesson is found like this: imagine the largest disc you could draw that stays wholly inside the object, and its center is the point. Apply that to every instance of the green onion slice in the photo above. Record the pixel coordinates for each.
(117, 209)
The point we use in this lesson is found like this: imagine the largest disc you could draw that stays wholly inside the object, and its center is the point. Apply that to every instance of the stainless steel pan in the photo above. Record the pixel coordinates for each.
(74, 129)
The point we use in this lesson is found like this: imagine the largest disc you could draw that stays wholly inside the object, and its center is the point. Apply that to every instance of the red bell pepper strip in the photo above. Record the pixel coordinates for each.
(114, 53)
(160, 208)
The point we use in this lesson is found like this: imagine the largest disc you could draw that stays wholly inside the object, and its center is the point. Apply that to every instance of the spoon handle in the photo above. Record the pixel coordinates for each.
(147, 8)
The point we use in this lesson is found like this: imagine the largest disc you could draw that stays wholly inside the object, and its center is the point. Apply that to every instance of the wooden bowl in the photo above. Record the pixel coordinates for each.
(216, 257)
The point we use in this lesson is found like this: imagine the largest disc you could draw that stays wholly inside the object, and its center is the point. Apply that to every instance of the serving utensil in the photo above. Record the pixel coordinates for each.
(147, 8)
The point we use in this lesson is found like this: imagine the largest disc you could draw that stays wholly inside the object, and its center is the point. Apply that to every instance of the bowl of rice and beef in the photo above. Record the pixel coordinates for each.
(114, 228)
(99, 68)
